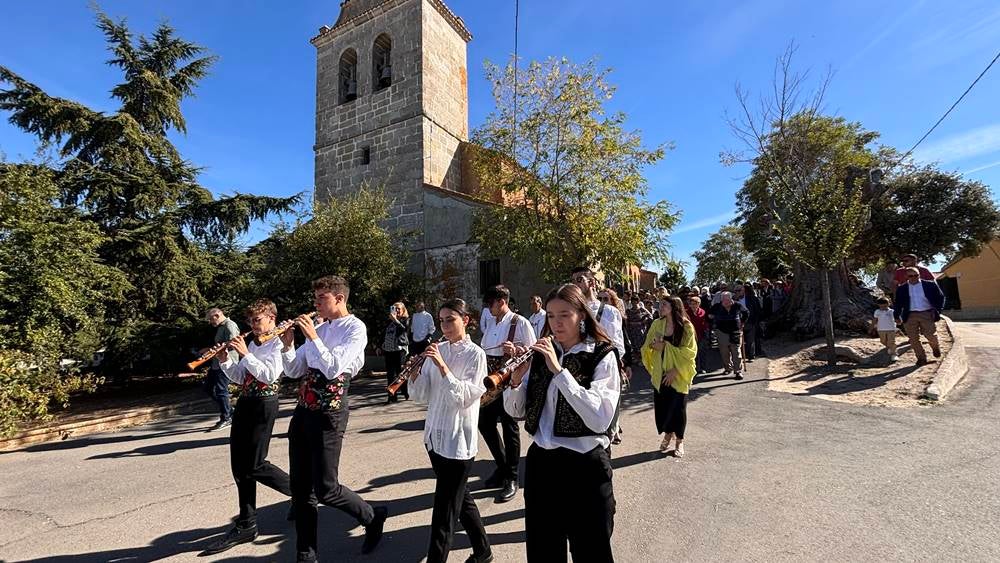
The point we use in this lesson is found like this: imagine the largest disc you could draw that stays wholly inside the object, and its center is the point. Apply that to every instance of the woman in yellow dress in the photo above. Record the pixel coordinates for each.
(669, 356)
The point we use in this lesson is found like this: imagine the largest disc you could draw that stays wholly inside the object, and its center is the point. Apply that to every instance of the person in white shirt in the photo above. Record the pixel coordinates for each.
(421, 329)
(507, 326)
(333, 353)
(537, 318)
(569, 399)
(450, 381)
(256, 373)
(885, 323)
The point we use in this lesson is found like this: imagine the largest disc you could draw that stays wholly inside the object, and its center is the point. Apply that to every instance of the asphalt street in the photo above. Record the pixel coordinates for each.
(767, 477)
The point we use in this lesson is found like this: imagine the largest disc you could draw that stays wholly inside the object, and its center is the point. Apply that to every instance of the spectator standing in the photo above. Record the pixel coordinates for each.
(885, 323)
(918, 304)
(909, 261)
(395, 346)
(216, 382)
(421, 329)
(728, 317)
(699, 320)
(751, 331)
(637, 320)
(538, 314)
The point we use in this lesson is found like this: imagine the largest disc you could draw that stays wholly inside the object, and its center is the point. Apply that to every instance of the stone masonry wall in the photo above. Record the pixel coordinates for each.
(445, 99)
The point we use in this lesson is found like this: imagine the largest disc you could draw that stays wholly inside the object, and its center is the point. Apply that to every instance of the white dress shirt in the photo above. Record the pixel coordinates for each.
(422, 326)
(918, 299)
(596, 406)
(486, 320)
(339, 349)
(452, 426)
(524, 335)
(537, 321)
(611, 322)
(885, 319)
(263, 363)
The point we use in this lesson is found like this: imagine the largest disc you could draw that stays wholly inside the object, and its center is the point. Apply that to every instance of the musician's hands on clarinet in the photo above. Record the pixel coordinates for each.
(545, 347)
(305, 324)
(521, 370)
(433, 354)
(509, 349)
(240, 346)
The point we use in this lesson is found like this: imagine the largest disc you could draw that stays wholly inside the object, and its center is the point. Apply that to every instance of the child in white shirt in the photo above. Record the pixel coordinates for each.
(886, 326)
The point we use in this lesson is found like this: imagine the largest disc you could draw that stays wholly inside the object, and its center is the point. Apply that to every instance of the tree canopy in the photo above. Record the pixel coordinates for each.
(569, 172)
(724, 258)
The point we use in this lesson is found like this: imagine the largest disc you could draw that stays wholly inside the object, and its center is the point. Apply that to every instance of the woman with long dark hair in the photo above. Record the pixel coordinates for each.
(669, 356)
(451, 383)
(395, 347)
(569, 400)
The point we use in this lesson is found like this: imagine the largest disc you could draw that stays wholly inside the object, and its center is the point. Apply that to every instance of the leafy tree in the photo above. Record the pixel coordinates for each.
(344, 236)
(120, 173)
(569, 173)
(724, 258)
(673, 276)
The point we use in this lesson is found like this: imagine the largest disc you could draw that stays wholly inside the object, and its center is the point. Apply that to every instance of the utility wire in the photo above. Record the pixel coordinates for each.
(960, 98)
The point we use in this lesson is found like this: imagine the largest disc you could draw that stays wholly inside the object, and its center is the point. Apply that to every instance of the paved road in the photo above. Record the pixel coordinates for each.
(768, 477)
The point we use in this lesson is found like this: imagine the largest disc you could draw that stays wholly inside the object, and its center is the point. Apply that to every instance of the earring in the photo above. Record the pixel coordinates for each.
(583, 327)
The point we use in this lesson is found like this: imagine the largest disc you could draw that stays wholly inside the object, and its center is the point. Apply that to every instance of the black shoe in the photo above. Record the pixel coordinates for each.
(290, 515)
(937, 353)
(373, 531)
(494, 481)
(305, 557)
(233, 538)
(738, 376)
(725, 372)
(508, 492)
(222, 424)
(484, 558)
(406, 397)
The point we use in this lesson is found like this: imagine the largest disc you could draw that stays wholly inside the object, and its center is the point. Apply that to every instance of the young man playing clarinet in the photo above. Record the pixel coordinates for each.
(256, 373)
(450, 381)
(333, 353)
(507, 326)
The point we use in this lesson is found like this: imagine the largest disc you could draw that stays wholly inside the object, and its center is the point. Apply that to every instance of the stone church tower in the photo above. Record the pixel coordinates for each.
(392, 109)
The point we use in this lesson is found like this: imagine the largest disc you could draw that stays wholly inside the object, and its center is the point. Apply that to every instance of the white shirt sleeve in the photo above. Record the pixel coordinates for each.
(515, 400)
(466, 391)
(525, 333)
(294, 363)
(596, 406)
(331, 362)
(264, 371)
(420, 390)
(232, 371)
(617, 336)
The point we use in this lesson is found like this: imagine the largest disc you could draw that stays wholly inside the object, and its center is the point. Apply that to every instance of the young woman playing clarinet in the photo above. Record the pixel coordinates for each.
(569, 400)
(451, 383)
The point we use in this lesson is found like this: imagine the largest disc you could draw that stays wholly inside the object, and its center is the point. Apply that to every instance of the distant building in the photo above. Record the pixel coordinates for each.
(392, 110)
(978, 282)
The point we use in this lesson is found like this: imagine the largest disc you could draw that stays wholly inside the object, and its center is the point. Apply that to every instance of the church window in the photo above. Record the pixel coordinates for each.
(348, 77)
(382, 62)
(366, 156)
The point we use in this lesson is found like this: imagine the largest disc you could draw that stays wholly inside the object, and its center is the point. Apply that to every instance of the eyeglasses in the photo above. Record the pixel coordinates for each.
(579, 279)
(912, 276)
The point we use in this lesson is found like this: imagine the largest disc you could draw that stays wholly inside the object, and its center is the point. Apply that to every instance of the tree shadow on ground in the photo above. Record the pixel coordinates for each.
(175, 426)
(163, 449)
(849, 384)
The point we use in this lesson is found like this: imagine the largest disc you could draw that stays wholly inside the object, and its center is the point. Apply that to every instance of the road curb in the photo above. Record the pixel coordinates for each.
(131, 417)
(952, 369)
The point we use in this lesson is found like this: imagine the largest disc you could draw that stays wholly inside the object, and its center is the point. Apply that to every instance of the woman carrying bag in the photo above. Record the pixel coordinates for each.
(669, 356)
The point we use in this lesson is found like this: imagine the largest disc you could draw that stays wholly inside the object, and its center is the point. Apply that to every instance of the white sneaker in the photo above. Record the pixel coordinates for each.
(893, 358)
(679, 450)
(665, 444)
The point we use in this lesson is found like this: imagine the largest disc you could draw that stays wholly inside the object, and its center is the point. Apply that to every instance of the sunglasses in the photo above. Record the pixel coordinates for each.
(602, 297)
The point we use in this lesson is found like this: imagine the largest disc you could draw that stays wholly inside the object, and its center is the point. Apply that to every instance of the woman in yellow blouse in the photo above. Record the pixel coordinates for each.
(669, 356)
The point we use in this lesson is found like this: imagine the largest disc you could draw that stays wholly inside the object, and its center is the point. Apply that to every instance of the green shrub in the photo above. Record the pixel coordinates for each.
(29, 386)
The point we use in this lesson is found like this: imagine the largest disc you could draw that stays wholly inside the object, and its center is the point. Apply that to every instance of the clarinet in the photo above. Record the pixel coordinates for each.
(412, 366)
(499, 380)
(208, 355)
(282, 328)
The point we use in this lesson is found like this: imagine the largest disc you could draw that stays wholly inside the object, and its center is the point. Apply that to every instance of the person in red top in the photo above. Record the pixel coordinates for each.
(909, 261)
(700, 322)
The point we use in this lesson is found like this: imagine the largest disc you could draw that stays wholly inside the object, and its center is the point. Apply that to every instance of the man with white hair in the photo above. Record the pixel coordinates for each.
(216, 382)
(728, 316)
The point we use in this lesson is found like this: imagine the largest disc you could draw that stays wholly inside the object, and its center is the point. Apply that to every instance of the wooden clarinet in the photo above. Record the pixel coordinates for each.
(282, 328)
(213, 351)
(411, 366)
(499, 380)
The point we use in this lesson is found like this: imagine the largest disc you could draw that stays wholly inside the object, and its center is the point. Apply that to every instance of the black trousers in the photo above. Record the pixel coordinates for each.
(670, 410)
(506, 451)
(393, 367)
(451, 500)
(217, 387)
(568, 496)
(249, 440)
(315, 439)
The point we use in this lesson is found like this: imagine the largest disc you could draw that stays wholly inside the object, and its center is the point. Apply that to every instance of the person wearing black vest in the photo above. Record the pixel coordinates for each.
(569, 399)
(508, 328)
(256, 373)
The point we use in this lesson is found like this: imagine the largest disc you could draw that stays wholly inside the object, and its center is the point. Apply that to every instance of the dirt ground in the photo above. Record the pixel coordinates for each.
(796, 368)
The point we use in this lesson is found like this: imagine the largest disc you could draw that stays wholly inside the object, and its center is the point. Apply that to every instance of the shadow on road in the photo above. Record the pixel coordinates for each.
(408, 426)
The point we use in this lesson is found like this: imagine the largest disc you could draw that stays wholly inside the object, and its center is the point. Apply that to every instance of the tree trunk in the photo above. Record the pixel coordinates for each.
(850, 306)
(831, 351)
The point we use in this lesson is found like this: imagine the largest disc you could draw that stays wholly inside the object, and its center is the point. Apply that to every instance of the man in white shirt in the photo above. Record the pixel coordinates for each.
(333, 353)
(537, 318)
(507, 326)
(421, 329)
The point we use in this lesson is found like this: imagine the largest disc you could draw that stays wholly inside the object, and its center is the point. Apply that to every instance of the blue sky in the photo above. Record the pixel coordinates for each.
(898, 65)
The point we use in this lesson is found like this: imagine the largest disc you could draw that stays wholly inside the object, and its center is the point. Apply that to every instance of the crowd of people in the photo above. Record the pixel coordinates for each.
(561, 371)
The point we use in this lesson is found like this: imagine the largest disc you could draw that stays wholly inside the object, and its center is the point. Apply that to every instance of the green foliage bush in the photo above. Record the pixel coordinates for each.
(31, 384)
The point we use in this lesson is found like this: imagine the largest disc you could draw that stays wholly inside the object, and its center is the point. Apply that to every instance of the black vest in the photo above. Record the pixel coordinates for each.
(568, 423)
